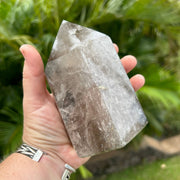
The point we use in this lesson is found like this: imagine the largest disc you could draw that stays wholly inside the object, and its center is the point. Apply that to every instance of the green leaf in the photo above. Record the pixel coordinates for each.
(85, 172)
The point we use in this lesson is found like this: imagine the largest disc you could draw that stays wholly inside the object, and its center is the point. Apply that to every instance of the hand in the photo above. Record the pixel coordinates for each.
(43, 126)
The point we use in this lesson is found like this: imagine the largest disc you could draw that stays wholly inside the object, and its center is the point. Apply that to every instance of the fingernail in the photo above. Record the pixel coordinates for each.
(141, 77)
(21, 49)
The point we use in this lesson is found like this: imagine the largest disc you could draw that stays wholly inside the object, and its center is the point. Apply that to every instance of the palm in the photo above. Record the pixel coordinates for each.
(48, 127)
(43, 125)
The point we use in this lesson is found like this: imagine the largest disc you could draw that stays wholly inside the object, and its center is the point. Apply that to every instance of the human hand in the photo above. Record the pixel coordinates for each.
(43, 125)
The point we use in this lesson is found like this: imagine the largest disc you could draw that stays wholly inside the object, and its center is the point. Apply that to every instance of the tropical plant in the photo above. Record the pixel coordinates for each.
(147, 29)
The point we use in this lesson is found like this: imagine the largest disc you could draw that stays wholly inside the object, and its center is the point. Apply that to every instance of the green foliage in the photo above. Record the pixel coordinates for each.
(82, 173)
(147, 29)
(11, 133)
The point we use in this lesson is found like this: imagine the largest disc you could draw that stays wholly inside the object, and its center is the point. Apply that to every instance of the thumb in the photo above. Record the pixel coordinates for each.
(34, 85)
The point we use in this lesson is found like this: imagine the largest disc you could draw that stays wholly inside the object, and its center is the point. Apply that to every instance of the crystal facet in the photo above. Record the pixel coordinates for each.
(93, 93)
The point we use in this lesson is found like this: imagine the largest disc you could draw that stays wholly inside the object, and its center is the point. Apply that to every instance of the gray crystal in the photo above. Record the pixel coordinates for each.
(93, 93)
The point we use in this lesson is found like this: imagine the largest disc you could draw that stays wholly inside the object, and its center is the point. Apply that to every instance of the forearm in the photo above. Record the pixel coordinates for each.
(21, 167)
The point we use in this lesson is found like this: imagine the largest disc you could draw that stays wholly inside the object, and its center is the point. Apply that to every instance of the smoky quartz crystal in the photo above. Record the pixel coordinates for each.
(94, 96)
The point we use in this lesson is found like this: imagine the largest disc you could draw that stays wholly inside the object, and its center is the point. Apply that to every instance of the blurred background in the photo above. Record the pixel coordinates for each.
(147, 29)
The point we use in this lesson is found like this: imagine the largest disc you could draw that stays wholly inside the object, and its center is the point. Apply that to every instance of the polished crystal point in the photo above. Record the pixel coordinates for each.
(93, 93)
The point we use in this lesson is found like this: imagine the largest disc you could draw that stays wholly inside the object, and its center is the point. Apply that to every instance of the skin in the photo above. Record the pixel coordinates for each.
(43, 125)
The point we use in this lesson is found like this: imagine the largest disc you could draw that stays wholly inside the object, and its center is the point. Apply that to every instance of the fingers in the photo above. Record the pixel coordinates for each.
(116, 47)
(128, 62)
(34, 85)
(137, 81)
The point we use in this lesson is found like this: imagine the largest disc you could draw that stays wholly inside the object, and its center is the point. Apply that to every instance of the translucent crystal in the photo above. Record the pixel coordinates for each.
(93, 93)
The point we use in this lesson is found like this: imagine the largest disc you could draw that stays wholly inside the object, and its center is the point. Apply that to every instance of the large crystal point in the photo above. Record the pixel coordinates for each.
(93, 93)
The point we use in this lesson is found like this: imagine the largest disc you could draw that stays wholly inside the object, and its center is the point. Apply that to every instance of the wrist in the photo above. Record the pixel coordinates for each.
(52, 166)
(20, 167)
(48, 161)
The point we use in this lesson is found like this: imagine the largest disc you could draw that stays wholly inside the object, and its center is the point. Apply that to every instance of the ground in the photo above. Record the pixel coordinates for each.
(167, 169)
